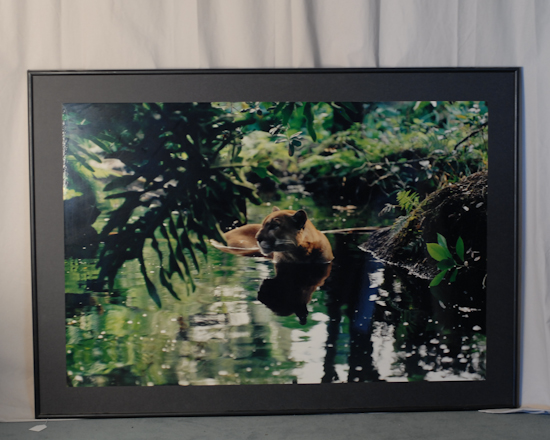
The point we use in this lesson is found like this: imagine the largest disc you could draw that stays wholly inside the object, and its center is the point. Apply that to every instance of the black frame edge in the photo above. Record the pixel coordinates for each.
(518, 239)
(34, 288)
(275, 71)
(517, 202)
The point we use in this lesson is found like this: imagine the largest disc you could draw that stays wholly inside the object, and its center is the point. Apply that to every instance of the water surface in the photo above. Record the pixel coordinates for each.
(246, 323)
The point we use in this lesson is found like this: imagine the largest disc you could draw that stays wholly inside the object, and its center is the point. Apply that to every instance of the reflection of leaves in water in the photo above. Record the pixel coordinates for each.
(170, 182)
(135, 351)
(143, 345)
(432, 340)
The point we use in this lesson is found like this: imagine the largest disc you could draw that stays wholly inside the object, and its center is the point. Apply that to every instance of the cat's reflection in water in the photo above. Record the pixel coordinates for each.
(290, 291)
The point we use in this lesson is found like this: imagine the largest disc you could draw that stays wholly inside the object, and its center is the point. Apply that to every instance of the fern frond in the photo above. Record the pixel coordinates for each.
(408, 200)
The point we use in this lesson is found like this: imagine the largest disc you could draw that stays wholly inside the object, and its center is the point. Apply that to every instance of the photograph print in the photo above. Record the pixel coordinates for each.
(244, 243)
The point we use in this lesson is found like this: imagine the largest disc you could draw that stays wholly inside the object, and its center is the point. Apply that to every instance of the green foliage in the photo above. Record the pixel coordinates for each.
(446, 263)
(173, 185)
(408, 200)
(417, 146)
(171, 176)
(287, 122)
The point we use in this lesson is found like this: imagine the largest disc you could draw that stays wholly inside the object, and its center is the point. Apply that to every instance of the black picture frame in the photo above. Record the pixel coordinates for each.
(49, 90)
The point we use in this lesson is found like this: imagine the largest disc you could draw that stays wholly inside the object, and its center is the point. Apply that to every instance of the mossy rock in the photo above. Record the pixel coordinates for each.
(458, 210)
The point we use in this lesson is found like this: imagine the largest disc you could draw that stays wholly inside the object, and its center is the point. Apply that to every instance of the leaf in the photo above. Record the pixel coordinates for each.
(349, 106)
(151, 289)
(452, 279)
(408, 200)
(448, 263)
(106, 137)
(342, 111)
(273, 130)
(219, 231)
(273, 177)
(290, 149)
(163, 274)
(165, 281)
(308, 114)
(287, 112)
(279, 107)
(438, 278)
(460, 248)
(156, 247)
(179, 251)
(264, 163)
(120, 182)
(104, 145)
(442, 241)
(83, 162)
(437, 252)
(124, 195)
(92, 156)
(261, 172)
(186, 242)
(173, 262)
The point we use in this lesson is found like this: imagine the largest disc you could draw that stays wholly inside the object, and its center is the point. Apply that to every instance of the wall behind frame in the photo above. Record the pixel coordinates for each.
(105, 34)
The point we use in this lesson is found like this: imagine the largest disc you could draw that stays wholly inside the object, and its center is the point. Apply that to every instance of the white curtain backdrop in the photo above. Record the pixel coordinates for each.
(153, 34)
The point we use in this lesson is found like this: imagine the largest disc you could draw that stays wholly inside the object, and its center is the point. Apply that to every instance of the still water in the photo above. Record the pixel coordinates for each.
(248, 322)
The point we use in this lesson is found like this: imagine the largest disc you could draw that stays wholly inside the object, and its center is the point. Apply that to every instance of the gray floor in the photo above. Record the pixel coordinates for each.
(375, 426)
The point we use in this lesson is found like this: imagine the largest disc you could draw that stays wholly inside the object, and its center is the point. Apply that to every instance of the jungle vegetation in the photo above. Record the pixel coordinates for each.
(172, 176)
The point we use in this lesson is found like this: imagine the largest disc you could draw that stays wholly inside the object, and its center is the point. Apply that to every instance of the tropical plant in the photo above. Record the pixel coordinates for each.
(446, 263)
(179, 178)
(408, 200)
(171, 176)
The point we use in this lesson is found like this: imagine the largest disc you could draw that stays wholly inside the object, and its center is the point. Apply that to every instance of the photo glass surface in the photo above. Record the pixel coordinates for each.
(229, 243)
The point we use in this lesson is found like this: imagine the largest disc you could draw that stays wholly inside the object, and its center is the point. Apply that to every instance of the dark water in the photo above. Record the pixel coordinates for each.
(249, 322)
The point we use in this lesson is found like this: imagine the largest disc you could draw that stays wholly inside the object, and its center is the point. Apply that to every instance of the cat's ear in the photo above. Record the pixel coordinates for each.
(300, 218)
(275, 209)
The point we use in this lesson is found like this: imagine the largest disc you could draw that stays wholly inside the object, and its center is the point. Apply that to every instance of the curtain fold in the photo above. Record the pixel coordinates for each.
(535, 335)
(147, 34)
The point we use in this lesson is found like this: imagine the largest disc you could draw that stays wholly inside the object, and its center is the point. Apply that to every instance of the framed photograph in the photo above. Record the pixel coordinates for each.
(231, 242)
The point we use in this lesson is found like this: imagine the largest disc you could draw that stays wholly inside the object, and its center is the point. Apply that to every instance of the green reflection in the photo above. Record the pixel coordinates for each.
(366, 323)
(218, 334)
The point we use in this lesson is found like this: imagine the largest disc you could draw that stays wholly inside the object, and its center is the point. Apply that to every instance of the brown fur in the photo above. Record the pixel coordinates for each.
(242, 241)
(289, 237)
(285, 236)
